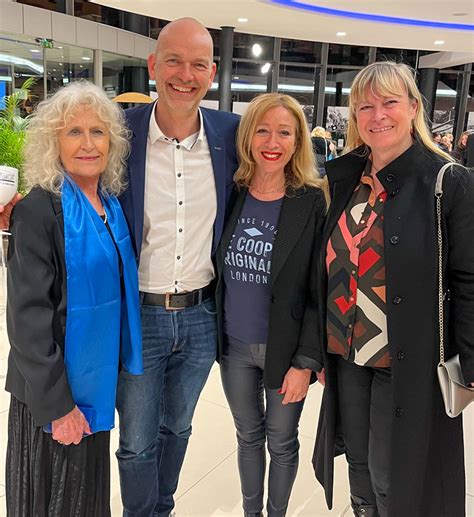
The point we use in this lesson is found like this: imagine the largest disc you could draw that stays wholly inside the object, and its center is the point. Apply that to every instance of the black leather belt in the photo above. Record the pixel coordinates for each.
(176, 301)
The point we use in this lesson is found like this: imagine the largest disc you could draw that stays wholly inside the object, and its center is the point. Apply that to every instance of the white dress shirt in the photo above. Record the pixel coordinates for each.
(179, 212)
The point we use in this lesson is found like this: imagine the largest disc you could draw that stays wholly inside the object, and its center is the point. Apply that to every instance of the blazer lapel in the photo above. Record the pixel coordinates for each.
(230, 226)
(295, 212)
(344, 175)
(136, 170)
(217, 149)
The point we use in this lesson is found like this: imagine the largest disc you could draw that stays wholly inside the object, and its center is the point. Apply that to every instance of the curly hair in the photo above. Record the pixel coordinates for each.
(300, 170)
(42, 163)
(386, 78)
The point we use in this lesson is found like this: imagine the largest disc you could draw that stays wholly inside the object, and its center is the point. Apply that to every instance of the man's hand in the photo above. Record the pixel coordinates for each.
(70, 428)
(6, 211)
(321, 377)
(295, 385)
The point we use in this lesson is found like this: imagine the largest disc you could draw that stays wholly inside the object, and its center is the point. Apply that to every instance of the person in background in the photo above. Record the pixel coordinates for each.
(322, 148)
(445, 144)
(72, 309)
(266, 316)
(380, 345)
(460, 151)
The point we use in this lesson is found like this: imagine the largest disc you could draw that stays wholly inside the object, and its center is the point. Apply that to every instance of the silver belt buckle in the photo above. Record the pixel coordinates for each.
(168, 302)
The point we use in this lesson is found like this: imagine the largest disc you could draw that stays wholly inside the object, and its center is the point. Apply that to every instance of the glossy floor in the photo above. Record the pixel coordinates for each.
(209, 483)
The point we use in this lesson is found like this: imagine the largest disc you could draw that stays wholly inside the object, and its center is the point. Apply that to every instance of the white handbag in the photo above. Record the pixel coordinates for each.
(456, 395)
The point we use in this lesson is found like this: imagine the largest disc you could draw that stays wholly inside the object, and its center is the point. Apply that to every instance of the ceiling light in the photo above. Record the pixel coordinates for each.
(35, 50)
(81, 66)
(265, 68)
(256, 49)
(341, 33)
(60, 64)
(242, 20)
(85, 58)
(54, 70)
(439, 42)
(236, 77)
(59, 47)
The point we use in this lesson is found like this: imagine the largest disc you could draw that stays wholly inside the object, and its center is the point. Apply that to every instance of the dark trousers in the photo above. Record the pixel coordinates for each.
(364, 395)
(259, 416)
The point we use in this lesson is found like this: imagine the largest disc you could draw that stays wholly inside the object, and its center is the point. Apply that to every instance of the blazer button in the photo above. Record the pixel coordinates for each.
(390, 177)
(272, 298)
(399, 411)
(394, 192)
(394, 239)
(400, 355)
(396, 300)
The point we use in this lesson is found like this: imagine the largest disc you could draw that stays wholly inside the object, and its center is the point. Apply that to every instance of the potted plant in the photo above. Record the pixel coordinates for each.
(12, 131)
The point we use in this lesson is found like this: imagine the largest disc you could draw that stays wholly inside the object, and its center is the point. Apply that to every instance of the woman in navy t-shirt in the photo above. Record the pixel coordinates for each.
(267, 315)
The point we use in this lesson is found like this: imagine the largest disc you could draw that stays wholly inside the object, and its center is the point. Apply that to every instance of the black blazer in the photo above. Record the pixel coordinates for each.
(36, 307)
(292, 321)
(426, 469)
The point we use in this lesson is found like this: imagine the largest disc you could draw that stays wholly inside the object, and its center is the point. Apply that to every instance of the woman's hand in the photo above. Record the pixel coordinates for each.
(295, 385)
(321, 377)
(6, 211)
(70, 428)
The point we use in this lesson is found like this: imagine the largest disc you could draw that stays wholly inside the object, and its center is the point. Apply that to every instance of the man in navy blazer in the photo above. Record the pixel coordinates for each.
(181, 168)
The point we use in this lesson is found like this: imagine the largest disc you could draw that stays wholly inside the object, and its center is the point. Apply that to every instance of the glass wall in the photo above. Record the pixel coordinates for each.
(51, 5)
(21, 58)
(66, 63)
(123, 74)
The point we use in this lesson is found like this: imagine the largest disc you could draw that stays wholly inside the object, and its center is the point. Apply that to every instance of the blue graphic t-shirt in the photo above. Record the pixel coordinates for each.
(247, 267)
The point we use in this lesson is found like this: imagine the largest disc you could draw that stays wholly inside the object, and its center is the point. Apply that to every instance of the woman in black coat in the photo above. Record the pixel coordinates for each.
(266, 320)
(382, 401)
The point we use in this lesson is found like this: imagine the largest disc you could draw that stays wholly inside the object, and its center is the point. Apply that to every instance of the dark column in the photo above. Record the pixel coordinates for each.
(135, 23)
(320, 86)
(226, 47)
(273, 76)
(462, 92)
(372, 55)
(338, 96)
(135, 79)
(427, 82)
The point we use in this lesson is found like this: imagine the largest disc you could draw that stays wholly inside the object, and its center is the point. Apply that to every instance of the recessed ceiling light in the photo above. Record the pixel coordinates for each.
(242, 20)
(85, 58)
(256, 49)
(81, 66)
(60, 64)
(265, 68)
(35, 50)
(54, 69)
(341, 33)
(439, 42)
(236, 77)
(59, 47)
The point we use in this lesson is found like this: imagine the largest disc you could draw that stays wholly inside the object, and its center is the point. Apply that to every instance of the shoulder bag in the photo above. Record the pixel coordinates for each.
(456, 395)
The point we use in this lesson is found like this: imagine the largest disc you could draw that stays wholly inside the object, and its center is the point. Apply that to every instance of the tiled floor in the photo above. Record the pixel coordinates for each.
(209, 482)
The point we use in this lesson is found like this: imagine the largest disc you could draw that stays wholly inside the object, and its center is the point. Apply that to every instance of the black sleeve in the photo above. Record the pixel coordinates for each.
(30, 311)
(460, 268)
(309, 351)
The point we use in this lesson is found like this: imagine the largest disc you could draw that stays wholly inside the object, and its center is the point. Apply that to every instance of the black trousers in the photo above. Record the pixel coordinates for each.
(364, 395)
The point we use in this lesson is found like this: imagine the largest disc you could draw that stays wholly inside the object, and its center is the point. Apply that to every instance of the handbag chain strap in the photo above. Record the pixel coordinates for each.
(438, 196)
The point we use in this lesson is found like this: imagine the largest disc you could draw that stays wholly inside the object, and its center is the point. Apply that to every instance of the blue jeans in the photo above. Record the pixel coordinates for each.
(156, 408)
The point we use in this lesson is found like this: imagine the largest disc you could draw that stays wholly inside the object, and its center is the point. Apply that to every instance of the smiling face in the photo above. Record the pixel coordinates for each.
(84, 146)
(274, 141)
(384, 123)
(182, 66)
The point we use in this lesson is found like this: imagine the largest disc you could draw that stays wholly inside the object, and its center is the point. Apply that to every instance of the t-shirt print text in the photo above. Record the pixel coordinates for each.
(250, 249)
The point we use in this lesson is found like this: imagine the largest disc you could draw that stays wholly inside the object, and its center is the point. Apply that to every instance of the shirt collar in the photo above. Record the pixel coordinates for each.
(155, 133)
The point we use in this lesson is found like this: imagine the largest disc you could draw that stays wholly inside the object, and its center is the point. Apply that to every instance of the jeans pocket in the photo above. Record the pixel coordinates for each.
(209, 306)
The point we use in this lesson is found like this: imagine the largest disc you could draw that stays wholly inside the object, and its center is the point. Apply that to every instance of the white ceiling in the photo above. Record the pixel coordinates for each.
(265, 17)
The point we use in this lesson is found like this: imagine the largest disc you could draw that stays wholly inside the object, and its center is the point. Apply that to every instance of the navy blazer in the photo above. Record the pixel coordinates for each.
(220, 128)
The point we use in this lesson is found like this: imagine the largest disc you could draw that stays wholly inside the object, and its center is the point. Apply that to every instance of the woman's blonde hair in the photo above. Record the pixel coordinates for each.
(383, 79)
(42, 163)
(318, 131)
(301, 169)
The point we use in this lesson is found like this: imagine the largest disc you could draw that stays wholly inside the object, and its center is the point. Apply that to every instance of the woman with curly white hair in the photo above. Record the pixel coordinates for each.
(72, 309)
